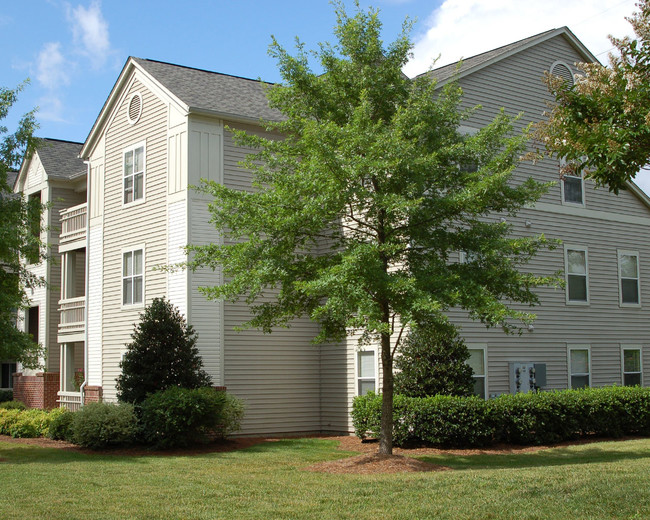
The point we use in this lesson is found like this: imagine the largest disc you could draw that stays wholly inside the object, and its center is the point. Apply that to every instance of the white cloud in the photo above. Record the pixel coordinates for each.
(51, 69)
(463, 28)
(50, 108)
(90, 31)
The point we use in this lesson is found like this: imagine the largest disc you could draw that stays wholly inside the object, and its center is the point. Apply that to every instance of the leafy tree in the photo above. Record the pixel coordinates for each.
(432, 361)
(602, 124)
(355, 211)
(163, 354)
(17, 239)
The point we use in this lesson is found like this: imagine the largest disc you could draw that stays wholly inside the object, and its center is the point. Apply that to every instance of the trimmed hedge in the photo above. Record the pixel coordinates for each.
(534, 418)
(103, 425)
(27, 423)
(178, 417)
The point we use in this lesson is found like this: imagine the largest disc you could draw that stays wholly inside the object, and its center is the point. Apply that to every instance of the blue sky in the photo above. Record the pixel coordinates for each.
(73, 51)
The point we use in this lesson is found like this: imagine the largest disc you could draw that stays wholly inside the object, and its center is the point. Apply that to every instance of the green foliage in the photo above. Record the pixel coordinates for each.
(231, 416)
(528, 419)
(178, 417)
(602, 124)
(60, 426)
(17, 215)
(432, 361)
(24, 423)
(163, 354)
(353, 214)
(6, 395)
(104, 425)
(13, 405)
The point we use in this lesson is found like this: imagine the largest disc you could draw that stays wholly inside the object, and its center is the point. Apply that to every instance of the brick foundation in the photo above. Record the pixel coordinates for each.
(37, 391)
(92, 394)
(219, 388)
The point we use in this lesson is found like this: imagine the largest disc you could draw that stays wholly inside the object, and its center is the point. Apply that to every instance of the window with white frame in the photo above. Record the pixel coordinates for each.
(366, 372)
(134, 167)
(579, 366)
(573, 185)
(133, 277)
(577, 286)
(628, 273)
(477, 362)
(7, 371)
(632, 367)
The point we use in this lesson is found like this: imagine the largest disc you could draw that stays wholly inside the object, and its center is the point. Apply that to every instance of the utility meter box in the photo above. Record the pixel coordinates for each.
(526, 376)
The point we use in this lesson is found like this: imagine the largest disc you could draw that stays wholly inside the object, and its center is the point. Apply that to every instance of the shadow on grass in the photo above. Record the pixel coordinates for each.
(546, 458)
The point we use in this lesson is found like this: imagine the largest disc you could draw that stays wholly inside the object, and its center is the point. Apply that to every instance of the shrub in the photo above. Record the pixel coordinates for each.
(231, 416)
(534, 418)
(60, 425)
(163, 354)
(179, 416)
(6, 395)
(24, 423)
(103, 425)
(432, 361)
(13, 405)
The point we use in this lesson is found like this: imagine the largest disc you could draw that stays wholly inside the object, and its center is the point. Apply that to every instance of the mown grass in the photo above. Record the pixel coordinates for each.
(607, 480)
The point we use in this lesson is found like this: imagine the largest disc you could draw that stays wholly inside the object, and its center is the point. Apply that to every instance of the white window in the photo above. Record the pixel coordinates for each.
(6, 375)
(577, 283)
(579, 366)
(133, 277)
(628, 274)
(366, 372)
(477, 362)
(632, 366)
(134, 168)
(573, 186)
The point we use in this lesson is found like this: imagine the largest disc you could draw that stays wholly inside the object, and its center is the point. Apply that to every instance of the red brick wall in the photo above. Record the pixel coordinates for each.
(38, 391)
(92, 394)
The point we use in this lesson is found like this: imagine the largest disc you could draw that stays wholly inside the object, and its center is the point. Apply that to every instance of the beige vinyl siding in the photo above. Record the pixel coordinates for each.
(177, 240)
(277, 375)
(132, 226)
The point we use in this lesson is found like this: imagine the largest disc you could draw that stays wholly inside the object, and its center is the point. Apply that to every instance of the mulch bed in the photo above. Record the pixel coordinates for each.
(369, 462)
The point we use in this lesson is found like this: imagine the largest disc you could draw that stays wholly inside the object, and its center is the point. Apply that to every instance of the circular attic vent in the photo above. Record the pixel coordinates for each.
(563, 71)
(135, 108)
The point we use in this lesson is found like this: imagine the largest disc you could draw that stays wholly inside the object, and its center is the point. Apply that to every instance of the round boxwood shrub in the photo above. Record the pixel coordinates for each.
(104, 425)
(178, 417)
(61, 421)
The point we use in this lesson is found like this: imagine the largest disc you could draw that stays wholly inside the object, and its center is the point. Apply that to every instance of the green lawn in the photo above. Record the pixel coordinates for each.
(604, 480)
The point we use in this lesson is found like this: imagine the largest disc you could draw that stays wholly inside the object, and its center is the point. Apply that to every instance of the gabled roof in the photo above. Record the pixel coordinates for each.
(11, 179)
(195, 90)
(211, 91)
(474, 63)
(60, 159)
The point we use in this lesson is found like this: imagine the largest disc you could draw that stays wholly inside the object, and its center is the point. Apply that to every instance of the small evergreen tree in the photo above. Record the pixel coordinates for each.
(163, 354)
(433, 360)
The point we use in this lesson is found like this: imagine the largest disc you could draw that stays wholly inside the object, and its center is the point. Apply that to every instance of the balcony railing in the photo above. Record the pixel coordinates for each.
(73, 223)
(69, 400)
(73, 315)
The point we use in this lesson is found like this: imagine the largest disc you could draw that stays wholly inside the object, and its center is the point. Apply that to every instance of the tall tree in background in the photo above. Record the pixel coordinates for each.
(602, 124)
(354, 214)
(17, 238)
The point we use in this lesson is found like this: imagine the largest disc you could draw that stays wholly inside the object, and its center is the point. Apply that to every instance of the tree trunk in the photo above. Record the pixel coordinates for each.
(386, 433)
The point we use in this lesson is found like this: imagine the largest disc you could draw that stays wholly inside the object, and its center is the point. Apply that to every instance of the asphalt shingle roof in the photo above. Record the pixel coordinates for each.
(447, 71)
(61, 158)
(11, 179)
(205, 90)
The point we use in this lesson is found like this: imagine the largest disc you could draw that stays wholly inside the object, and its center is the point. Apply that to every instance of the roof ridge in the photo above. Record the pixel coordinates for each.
(58, 140)
(454, 63)
(259, 80)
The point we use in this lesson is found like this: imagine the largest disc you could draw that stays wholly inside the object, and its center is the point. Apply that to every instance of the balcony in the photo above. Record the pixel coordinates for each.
(73, 227)
(72, 326)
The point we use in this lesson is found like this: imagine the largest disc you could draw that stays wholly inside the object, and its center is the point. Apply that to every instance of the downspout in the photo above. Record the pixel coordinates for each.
(86, 282)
